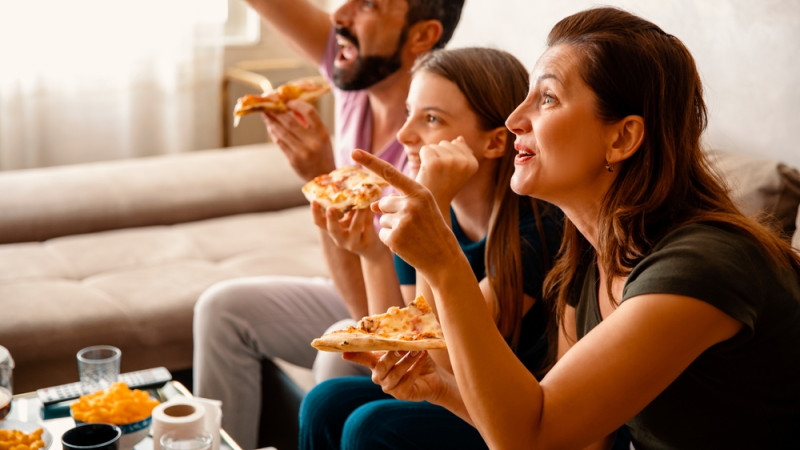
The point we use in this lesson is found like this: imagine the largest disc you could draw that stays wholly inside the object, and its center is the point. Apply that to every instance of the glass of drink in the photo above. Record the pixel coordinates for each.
(98, 367)
(6, 381)
(181, 440)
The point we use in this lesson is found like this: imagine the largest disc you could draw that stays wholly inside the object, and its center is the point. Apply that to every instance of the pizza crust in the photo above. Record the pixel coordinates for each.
(411, 328)
(361, 342)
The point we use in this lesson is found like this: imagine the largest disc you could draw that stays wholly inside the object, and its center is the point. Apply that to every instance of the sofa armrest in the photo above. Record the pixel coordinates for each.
(43, 203)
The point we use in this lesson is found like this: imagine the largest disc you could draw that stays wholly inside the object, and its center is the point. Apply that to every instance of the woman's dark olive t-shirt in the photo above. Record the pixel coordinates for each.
(743, 393)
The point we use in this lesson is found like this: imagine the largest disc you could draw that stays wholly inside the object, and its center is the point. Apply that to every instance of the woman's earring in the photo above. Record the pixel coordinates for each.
(608, 167)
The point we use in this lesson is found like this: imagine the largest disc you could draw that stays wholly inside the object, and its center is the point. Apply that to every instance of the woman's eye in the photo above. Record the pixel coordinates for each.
(548, 99)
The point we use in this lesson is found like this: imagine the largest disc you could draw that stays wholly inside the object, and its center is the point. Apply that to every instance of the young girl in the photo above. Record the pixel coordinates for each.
(459, 148)
(681, 315)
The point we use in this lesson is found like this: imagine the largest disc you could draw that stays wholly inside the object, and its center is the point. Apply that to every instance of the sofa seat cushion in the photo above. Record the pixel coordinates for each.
(136, 288)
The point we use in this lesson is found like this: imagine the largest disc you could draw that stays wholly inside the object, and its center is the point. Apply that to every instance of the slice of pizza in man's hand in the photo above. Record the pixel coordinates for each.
(275, 101)
(345, 188)
(411, 328)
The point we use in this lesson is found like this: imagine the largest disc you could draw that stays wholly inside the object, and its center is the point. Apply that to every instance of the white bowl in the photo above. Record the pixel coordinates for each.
(28, 427)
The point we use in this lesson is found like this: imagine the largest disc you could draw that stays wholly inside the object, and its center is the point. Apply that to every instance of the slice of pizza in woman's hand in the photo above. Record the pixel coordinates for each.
(411, 328)
(345, 188)
(275, 101)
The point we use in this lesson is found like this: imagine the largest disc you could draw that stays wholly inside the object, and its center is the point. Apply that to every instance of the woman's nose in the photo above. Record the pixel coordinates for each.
(518, 122)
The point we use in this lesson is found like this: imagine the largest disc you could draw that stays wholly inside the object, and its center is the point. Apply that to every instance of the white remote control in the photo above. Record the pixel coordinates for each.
(140, 379)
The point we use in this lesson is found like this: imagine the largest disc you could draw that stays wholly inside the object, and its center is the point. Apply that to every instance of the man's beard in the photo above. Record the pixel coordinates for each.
(366, 71)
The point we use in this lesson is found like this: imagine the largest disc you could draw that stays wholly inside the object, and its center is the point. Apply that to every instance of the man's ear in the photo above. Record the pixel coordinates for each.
(496, 147)
(626, 138)
(423, 35)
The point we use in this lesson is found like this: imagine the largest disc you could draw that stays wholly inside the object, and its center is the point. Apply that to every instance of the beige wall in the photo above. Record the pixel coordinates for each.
(747, 53)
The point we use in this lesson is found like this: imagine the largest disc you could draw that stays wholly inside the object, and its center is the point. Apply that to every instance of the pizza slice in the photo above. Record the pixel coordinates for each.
(307, 89)
(345, 188)
(411, 328)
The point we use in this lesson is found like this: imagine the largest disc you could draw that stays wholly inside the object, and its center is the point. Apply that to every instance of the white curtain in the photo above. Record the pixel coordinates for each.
(91, 80)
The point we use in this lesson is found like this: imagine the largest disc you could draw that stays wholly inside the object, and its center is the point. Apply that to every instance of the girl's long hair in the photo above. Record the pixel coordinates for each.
(494, 82)
(635, 68)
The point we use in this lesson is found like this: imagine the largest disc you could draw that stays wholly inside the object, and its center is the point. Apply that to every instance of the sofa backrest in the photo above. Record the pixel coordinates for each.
(762, 186)
(38, 204)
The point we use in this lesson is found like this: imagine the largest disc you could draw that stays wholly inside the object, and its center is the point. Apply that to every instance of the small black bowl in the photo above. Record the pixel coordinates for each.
(94, 436)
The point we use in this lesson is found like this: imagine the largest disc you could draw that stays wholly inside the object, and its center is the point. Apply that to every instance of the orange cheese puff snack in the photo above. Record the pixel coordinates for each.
(18, 440)
(118, 405)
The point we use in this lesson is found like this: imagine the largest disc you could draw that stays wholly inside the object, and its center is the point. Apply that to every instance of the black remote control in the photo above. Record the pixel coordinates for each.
(140, 379)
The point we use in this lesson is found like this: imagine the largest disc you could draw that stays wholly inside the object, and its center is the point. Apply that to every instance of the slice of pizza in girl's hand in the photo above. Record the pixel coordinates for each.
(345, 188)
(411, 328)
(275, 101)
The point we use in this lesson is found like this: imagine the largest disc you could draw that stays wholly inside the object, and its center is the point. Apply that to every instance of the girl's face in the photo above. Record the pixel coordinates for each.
(437, 111)
(561, 142)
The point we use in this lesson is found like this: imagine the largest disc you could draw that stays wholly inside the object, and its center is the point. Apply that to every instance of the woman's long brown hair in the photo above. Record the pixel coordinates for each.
(494, 82)
(635, 68)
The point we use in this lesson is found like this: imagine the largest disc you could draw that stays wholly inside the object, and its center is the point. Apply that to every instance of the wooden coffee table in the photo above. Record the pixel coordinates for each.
(27, 408)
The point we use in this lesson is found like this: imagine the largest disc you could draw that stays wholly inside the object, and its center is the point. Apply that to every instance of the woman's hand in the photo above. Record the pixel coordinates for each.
(303, 138)
(409, 376)
(412, 225)
(353, 230)
(445, 168)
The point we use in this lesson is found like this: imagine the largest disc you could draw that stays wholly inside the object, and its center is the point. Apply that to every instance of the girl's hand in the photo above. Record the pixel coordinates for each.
(353, 230)
(446, 167)
(409, 376)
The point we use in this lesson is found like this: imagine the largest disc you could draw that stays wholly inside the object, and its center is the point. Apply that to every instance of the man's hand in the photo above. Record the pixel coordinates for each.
(303, 138)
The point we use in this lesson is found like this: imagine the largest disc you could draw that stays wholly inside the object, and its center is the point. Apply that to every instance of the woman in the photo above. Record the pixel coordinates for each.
(681, 316)
(459, 148)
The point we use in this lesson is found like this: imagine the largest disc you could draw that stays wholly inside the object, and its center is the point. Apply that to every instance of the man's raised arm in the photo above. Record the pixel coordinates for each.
(303, 24)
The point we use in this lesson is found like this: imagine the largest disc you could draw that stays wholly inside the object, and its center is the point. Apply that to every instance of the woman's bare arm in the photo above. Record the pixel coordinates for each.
(602, 381)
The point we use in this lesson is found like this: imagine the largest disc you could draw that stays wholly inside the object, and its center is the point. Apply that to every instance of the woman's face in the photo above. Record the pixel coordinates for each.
(437, 111)
(560, 141)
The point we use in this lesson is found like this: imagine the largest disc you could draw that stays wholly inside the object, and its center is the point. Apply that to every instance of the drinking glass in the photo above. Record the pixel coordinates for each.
(6, 381)
(180, 440)
(98, 367)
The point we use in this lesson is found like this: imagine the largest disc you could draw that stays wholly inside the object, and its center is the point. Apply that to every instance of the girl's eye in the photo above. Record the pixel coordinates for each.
(430, 118)
(548, 99)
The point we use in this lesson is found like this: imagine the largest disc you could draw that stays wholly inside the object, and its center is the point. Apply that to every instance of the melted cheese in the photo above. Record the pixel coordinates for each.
(416, 321)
